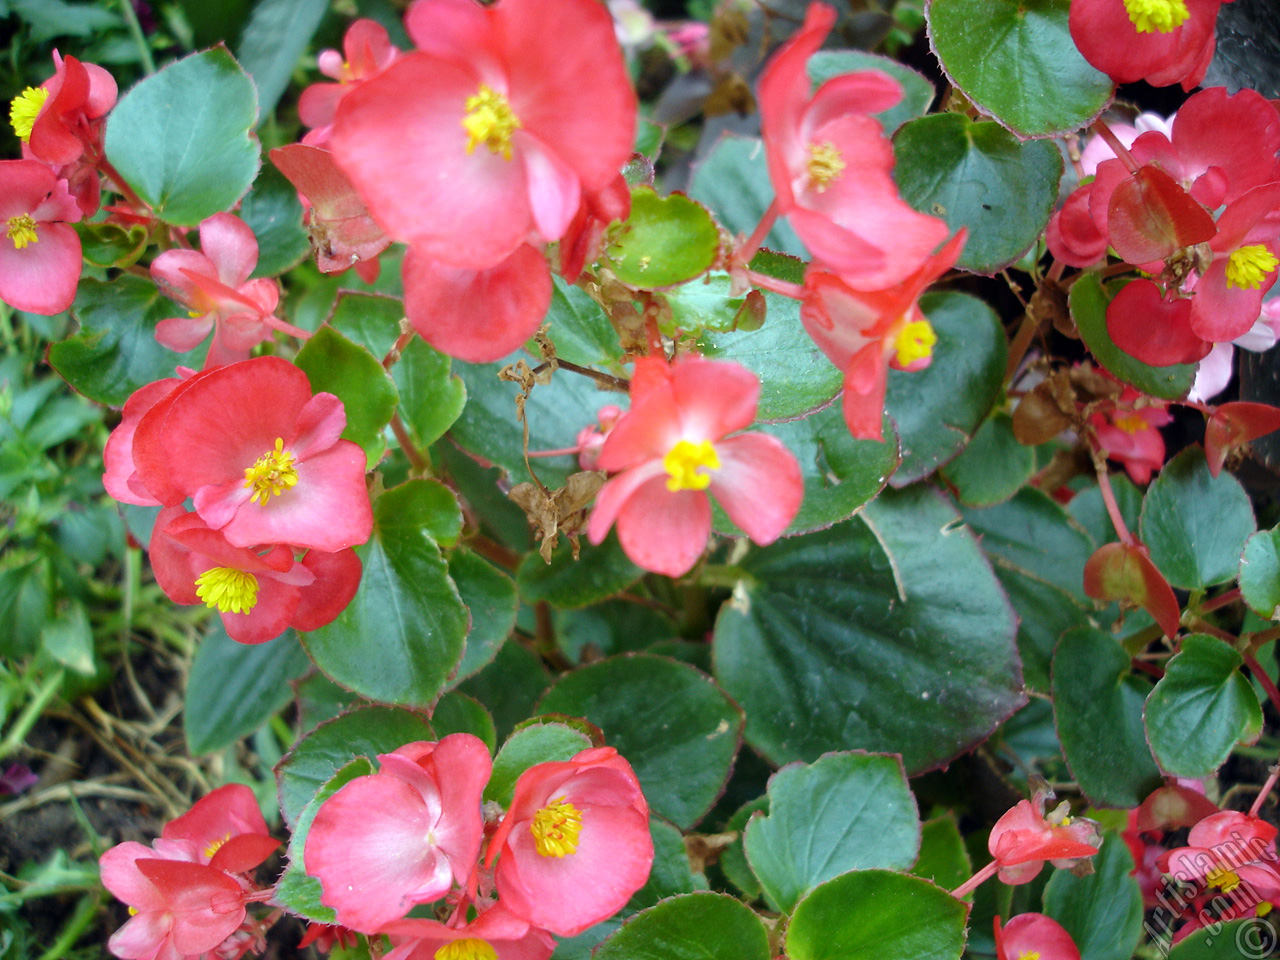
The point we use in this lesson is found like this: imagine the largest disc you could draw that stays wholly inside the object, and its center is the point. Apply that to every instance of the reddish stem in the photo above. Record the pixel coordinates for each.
(277, 324)
(1109, 499)
(1221, 600)
(120, 187)
(765, 282)
(1119, 149)
(1261, 675)
(749, 246)
(973, 882)
(1266, 789)
(1146, 667)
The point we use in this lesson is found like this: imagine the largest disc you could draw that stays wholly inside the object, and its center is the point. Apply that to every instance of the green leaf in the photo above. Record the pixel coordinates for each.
(671, 875)
(598, 573)
(846, 811)
(68, 639)
(665, 241)
(274, 213)
(1088, 301)
(1033, 535)
(671, 722)
(115, 351)
(1045, 612)
(401, 637)
(993, 467)
(111, 245)
(1015, 59)
(274, 40)
(943, 858)
(180, 137)
(733, 180)
(697, 926)
(1088, 509)
(1103, 910)
(556, 412)
(1247, 939)
(334, 364)
(917, 92)
(795, 377)
(840, 474)
(939, 408)
(457, 713)
(543, 740)
(1201, 708)
(422, 504)
(234, 688)
(370, 319)
(979, 176)
(431, 396)
(363, 732)
(1098, 709)
(876, 913)
(1196, 524)
(490, 596)
(898, 640)
(509, 686)
(581, 330)
(1260, 573)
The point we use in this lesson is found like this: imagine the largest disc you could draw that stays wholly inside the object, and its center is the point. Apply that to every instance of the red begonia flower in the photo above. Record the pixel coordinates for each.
(865, 332)
(214, 285)
(403, 835)
(673, 447)
(63, 119)
(262, 459)
(366, 51)
(40, 257)
(1154, 327)
(1159, 41)
(1034, 935)
(574, 844)
(1025, 837)
(832, 166)
(1228, 295)
(1127, 431)
(1232, 425)
(495, 933)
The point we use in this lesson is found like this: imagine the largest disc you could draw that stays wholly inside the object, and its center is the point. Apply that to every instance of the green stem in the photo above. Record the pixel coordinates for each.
(86, 909)
(31, 713)
(139, 39)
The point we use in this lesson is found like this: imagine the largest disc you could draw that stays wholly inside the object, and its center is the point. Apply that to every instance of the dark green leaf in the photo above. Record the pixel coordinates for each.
(1034, 536)
(457, 713)
(979, 176)
(334, 364)
(943, 858)
(490, 596)
(1247, 939)
(1200, 708)
(115, 351)
(371, 320)
(273, 42)
(1196, 524)
(1017, 61)
(180, 138)
(1101, 911)
(235, 688)
(939, 408)
(1098, 709)
(364, 732)
(671, 875)
(1260, 574)
(544, 741)
(431, 395)
(672, 723)
(899, 640)
(580, 329)
(917, 92)
(993, 467)
(598, 573)
(846, 811)
(274, 213)
(733, 180)
(509, 686)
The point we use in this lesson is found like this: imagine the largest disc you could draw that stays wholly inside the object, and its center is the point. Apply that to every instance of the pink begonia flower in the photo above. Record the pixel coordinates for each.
(188, 890)
(120, 477)
(1025, 837)
(673, 447)
(574, 844)
(1031, 935)
(402, 836)
(482, 138)
(214, 284)
(258, 595)
(865, 332)
(62, 120)
(496, 934)
(367, 50)
(40, 257)
(832, 166)
(1127, 432)
(1227, 848)
(341, 231)
(1160, 41)
(261, 457)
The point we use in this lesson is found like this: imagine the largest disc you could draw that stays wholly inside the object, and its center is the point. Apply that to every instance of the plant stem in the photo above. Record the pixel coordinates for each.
(139, 39)
(31, 713)
(972, 883)
(606, 380)
(1101, 129)
(1263, 678)
(1109, 496)
(1274, 774)
(420, 464)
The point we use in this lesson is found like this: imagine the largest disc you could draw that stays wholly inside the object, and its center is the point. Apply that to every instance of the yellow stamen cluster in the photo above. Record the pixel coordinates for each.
(213, 846)
(227, 589)
(273, 472)
(24, 109)
(468, 948)
(1223, 879)
(825, 165)
(684, 461)
(22, 230)
(1156, 16)
(491, 121)
(1130, 423)
(555, 828)
(1249, 266)
(1029, 955)
(914, 342)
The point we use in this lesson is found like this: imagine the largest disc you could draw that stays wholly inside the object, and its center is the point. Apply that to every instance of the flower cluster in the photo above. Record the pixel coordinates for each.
(262, 461)
(831, 166)
(570, 850)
